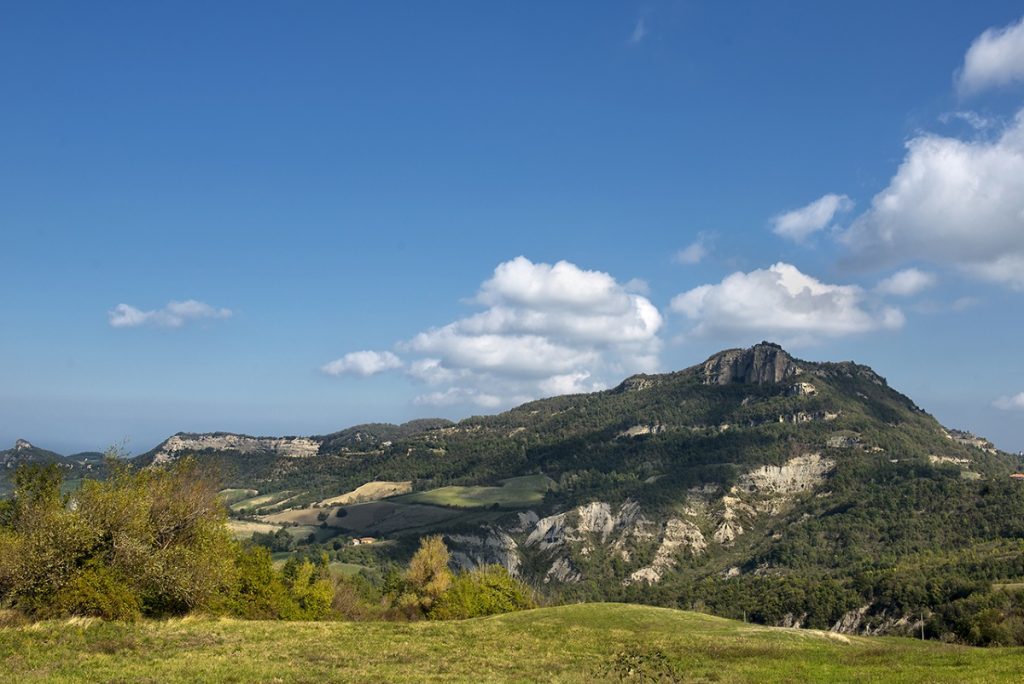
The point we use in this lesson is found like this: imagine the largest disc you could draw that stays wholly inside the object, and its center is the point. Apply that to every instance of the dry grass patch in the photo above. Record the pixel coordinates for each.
(371, 491)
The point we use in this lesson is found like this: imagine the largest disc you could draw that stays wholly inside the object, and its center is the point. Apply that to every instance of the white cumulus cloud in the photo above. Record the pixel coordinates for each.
(362, 363)
(952, 201)
(542, 329)
(782, 301)
(906, 283)
(1010, 403)
(800, 223)
(995, 58)
(174, 315)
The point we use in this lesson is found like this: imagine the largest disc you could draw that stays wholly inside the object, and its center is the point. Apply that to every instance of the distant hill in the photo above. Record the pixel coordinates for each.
(24, 452)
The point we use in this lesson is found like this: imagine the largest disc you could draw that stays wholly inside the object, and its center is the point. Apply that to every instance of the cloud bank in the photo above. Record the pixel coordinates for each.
(1010, 403)
(906, 283)
(995, 58)
(544, 329)
(174, 315)
(362, 363)
(953, 202)
(781, 301)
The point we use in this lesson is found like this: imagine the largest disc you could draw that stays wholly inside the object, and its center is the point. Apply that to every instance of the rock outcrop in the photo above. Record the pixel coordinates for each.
(763, 363)
(679, 537)
(796, 475)
(495, 547)
(288, 447)
(593, 520)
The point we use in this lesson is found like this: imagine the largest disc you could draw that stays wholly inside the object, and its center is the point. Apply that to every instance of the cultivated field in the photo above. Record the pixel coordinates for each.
(244, 529)
(581, 643)
(269, 500)
(371, 491)
(377, 517)
(515, 492)
(233, 496)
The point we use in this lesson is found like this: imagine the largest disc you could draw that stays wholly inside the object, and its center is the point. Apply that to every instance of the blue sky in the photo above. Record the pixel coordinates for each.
(287, 219)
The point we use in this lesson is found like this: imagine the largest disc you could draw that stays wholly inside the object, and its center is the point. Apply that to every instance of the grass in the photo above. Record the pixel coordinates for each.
(244, 529)
(580, 643)
(233, 496)
(345, 569)
(515, 492)
(371, 491)
(321, 534)
(1008, 586)
(375, 518)
(268, 500)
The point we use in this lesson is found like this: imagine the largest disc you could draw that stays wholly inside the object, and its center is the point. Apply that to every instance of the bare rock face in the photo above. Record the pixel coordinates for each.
(641, 430)
(637, 383)
(735, 510)
(562, 570)
(595, 523)
(763, 363)
(289, 447)
(469, 551)
(796, 475)
(22, 445)
(680, 536)
(595, 519)
(802, 389)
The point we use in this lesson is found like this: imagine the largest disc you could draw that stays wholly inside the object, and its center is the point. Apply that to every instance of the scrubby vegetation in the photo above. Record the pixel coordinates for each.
(153, 543)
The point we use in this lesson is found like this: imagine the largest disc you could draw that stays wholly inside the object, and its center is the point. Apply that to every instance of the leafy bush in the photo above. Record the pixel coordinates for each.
(99, 591)
(488, 590)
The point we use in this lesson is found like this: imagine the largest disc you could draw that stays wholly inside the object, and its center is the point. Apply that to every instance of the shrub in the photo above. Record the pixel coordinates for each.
(143, 541)
(309, 587)
(99, 591)
(488, 590)
(428, 576)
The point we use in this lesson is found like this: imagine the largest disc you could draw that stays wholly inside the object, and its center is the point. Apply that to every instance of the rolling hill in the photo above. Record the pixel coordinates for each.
(578, 643)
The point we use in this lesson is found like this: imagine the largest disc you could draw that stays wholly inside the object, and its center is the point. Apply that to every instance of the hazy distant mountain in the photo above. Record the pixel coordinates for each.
(24, 452)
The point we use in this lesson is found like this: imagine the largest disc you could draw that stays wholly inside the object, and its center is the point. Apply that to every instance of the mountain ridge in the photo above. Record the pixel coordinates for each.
(811, 493)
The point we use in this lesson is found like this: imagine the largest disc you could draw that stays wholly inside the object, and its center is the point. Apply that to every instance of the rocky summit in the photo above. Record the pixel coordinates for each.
(762, 363)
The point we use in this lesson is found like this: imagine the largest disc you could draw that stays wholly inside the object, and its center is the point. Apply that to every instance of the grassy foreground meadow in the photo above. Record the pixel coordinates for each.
(604, 642)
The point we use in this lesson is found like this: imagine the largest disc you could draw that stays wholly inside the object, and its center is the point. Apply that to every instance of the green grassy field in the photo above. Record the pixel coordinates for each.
(589, 642)
(233, 496)
(515, 492)
(376, 517)
(244, 529)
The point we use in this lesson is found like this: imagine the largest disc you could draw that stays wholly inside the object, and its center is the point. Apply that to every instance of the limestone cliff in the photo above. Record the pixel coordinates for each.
(760, 364)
